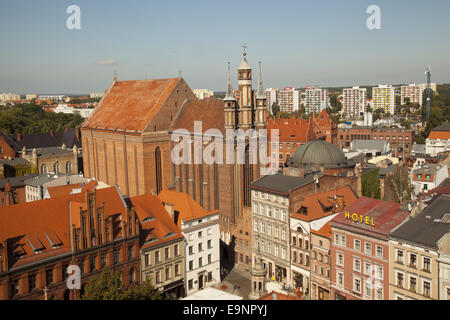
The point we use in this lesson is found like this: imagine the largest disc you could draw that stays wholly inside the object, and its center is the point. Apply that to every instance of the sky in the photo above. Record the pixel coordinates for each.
(300, 43)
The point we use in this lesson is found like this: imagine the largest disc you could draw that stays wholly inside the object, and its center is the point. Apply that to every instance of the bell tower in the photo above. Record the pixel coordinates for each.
(230, 104)
(245, 93)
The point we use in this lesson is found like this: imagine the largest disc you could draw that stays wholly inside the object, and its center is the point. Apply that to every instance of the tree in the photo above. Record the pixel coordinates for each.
(108, 286)
(400, 185)
(275, 109)
(371, 184)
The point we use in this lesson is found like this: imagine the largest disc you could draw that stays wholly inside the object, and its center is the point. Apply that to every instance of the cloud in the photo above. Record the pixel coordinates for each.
(107, 62)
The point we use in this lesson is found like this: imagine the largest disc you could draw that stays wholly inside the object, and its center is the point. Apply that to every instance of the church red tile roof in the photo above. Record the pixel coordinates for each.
(292, 129)
(209, 112)
(130, 105)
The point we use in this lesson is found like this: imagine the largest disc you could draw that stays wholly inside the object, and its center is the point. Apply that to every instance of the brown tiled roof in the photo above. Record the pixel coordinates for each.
(63, 190)
(325, 231)
(323, 204)
(209, 112)
(157, 226)
(292, 129)
(131, 105)
(187, 207)
(30, 226)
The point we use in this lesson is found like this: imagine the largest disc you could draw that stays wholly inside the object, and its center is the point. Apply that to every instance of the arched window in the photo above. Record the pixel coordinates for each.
(43, 168)
(248, 177)
(132, 275)
(68, 167)
(158, 175)
(56, 167)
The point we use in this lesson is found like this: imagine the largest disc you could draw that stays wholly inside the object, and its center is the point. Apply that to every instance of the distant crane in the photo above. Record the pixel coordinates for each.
(428, 73)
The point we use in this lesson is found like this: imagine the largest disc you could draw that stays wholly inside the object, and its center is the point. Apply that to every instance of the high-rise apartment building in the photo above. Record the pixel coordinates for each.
(271, 97)
(383, 98)
(316, 100)
(413, 92)
(289, 99)
(354, 101)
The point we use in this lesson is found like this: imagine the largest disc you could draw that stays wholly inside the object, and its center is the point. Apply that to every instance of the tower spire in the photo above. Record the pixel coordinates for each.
(260, 84)
(229, 95)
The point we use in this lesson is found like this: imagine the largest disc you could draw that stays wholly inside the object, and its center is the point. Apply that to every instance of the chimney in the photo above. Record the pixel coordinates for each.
(169, 209)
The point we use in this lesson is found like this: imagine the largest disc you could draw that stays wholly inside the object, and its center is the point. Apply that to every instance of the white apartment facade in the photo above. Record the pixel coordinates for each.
(203, 93)
(271, 98)
(316, 100)
(413, 92)
(428, 176)
(289, 99)
(444, 276)
(202, 245)
(9, 96)
(383, 97)
(354, 101)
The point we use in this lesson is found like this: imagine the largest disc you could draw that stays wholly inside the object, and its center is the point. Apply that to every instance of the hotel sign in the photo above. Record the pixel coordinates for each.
(359, 218)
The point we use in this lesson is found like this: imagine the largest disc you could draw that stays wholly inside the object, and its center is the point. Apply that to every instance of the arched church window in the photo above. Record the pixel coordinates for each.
(68, 167)
(158, 169)
(56, 167)
(43, 168)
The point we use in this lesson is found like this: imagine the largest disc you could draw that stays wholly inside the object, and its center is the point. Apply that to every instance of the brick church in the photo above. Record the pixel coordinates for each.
(127, 141)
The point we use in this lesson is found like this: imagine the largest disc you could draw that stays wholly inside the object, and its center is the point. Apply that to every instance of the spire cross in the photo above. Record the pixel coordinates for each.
(244, 46)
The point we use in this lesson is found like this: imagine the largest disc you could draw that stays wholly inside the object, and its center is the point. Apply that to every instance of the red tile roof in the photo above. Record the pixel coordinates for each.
(130, 105)
(187, 207)
(157, 226)
(28, 226)
(279, 296)
(386, 216)
(292, 129)
(209, 112)
(325, 231)
(63, 190)
(442, 135)
(324, 204)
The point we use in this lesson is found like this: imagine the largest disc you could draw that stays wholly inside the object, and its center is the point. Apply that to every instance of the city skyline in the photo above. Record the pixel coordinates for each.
(299, 44)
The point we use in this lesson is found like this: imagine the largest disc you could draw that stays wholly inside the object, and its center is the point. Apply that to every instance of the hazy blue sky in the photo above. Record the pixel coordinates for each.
(300, 42)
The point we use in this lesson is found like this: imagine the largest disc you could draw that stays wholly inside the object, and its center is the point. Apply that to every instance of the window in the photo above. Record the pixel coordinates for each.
(191, 250)
(379, 252)
(379, 293)
(209, 244)
(92, 263)
(294, 241)
(399, 256)
(412, 260)
(263, 245)
(190, 284)
(269, 211)
(263, 227)
(426, 264)
(343, 241)
(368, 289)
(283, 253)
(200, 262)
(357, 284)
(283, 215)
(340, 259)
(32, 281)
(379, 273)
(262, 210)
(276, 232)
(294, 256)
(368, 248)
(157, 259)
(357, 245)
(209, 258)
(177, 270)
(340, 278)
(167, 274)
(306, 244)
(68, 167)
(357, 265)
(400, 279)
(275, 213)
(158, 276)
(269, 247)
(336, 239)
(255, 225)
(283, 234)
(176, 250)
(49, 276)
(210, 276)
(200, 247)
(277, 248)
(103, 259)
(368, 268)
(56, 167)
(191, 265)
(412, 284)
(200, 234)
(426, 288)
(130, 252)
(116, 255)
(14, 287)
(269, 229)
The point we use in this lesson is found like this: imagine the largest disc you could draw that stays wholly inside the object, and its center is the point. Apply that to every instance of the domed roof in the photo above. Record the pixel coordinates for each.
(319, 153)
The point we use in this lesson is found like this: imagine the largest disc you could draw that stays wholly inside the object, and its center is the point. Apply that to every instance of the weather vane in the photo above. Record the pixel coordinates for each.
(244, 46)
